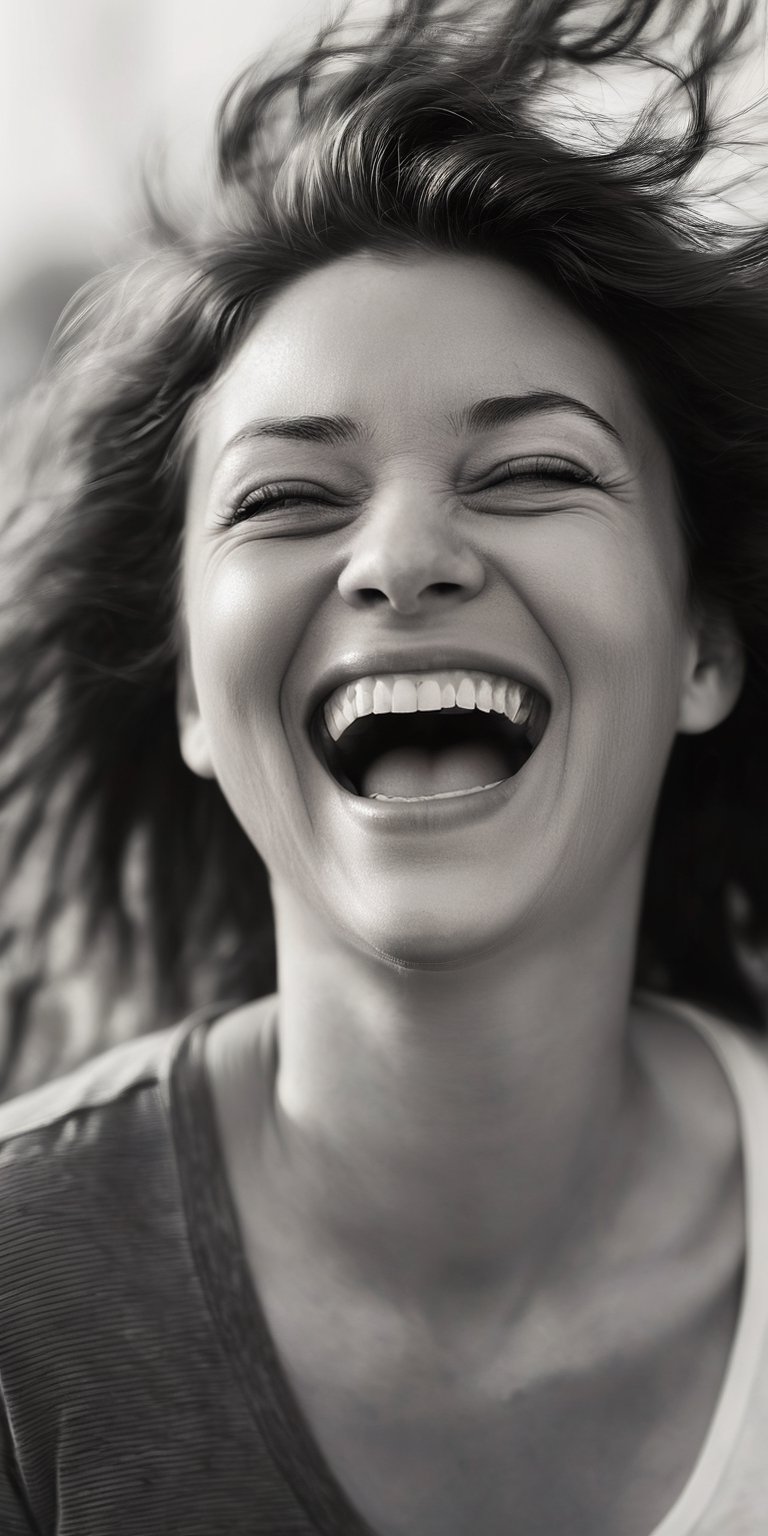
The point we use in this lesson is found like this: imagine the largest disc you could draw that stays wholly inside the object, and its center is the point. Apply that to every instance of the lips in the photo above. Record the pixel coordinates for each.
(427, 734)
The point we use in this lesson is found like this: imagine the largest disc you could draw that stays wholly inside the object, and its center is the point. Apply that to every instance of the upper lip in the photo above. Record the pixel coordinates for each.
(380, 663)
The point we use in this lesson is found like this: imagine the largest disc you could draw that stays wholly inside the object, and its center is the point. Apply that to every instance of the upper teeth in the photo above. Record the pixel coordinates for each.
(398, 694)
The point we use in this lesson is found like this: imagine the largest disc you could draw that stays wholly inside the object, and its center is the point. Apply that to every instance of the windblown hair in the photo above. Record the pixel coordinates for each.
(434, 130)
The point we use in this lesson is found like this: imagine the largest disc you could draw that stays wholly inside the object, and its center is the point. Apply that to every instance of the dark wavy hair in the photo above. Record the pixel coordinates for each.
(434, 130)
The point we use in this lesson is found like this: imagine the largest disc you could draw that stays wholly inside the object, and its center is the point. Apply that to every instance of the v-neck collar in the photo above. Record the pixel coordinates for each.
(232, 1297)
(238, 1316)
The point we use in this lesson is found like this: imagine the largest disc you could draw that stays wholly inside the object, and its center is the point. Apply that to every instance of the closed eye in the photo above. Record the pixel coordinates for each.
(543, 468)
(277, 497)
(534, 473)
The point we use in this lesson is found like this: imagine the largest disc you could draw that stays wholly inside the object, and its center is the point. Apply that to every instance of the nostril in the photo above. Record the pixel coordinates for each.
(444, 589)
(406, 595)
(369, 596)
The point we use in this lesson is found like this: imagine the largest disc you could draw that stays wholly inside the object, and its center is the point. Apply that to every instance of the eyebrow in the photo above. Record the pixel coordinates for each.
(304, 429)
(499, 410)
(483, 416)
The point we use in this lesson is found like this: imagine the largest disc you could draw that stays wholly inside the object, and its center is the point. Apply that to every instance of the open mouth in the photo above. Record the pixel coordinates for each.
(428, 736)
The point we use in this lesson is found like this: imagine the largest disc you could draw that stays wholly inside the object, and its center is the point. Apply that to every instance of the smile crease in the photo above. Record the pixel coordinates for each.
(429, 714)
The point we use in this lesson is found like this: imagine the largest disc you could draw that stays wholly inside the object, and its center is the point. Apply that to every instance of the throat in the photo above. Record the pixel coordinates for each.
(415, 771)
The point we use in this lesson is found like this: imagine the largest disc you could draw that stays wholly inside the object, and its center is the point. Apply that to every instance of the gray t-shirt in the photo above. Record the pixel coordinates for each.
(139, 1389)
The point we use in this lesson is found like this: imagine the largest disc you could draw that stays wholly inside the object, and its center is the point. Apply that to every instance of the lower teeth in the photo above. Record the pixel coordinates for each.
(442, 794)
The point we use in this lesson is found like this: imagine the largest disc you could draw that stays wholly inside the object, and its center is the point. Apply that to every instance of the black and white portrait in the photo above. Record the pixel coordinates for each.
(384, 769)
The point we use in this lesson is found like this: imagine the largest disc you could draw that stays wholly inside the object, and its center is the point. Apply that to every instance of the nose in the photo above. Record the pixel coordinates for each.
(409, 553)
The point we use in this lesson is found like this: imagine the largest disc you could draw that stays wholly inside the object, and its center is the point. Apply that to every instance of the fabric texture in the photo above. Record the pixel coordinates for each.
(139, 1387)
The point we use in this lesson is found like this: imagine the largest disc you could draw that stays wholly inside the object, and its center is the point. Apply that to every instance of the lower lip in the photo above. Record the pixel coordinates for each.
(433, 814)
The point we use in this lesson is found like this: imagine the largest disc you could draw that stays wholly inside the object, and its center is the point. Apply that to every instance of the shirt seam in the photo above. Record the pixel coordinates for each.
(151, 1080)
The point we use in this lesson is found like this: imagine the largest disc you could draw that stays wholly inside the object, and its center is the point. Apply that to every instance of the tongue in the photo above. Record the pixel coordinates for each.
(415, 771)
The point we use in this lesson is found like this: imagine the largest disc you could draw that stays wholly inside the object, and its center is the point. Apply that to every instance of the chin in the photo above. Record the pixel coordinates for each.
(429, 936)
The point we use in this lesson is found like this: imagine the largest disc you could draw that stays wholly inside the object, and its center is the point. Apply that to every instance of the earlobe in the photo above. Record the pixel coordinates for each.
(714, 678)
(195, 750)
(193, 736)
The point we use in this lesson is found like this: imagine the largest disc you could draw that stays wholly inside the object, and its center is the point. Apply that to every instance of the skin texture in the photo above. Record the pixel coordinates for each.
(463, 1093)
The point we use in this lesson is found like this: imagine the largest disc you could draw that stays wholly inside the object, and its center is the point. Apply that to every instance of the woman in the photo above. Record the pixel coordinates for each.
(405, 524)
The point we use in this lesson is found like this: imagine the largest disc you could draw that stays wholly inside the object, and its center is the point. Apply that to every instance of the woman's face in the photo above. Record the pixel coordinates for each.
(414, 471)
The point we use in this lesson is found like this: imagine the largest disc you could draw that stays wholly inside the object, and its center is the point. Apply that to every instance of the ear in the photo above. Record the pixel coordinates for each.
(193, 736)
(714, 674)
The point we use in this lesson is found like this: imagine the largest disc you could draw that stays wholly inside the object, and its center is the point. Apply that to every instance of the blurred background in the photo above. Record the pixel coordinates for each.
(91, 93)
(90, 90)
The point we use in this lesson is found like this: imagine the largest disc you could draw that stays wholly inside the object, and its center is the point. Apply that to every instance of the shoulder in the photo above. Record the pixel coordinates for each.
(88, 1180)
(740, 1049)
(709, 1073)
(101, 1304)
(96, 1084)
(730, 1039)
(710, 1078)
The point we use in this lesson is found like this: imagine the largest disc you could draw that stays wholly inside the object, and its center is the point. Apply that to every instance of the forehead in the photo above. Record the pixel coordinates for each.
(400, 344)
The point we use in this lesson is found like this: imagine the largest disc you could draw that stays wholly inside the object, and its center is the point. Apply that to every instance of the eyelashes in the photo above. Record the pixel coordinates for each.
(275, 497)
(544, 468)
(280, 496)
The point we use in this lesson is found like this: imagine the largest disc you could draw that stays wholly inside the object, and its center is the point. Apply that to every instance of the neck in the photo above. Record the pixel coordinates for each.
(438, 1127)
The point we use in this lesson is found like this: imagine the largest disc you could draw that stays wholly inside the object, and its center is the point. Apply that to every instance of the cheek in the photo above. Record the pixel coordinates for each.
(243, 630)
(230, 639)
(617, 598)
(613, 605)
